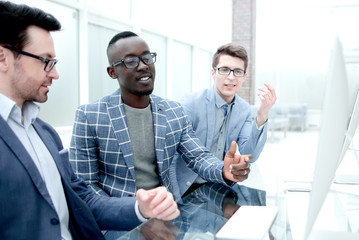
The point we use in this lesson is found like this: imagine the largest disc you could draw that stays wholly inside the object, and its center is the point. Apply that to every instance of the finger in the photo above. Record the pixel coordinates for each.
(232, 149)
(271, 89)
(170, 213)
(267, 94)
(241, 174)
(245, 158)
(165, 207)
(235, 160)
(240, 169)
(158, 195)
(144, 196)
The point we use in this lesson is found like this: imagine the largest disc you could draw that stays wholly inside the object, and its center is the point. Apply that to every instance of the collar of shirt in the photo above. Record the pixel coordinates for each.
(220, 103)
(9, 109)
(219, 100)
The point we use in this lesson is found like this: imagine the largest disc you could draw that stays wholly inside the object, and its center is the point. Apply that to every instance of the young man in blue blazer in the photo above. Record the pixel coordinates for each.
(219, 116)
(40, 196)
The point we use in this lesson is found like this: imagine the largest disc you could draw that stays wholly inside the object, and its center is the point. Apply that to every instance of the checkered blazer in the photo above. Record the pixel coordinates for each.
(101, 151)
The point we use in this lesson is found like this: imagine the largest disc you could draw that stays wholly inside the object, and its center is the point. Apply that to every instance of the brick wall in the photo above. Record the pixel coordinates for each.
(243, 30)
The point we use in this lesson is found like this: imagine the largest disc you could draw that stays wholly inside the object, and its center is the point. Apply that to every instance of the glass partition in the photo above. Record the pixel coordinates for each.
(158, 44)
(181, 77)
(63, 99)
(100, 83)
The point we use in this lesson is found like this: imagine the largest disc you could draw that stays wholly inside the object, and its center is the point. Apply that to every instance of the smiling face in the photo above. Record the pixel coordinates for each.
(136, 84)
(227, 86)
(27, 80)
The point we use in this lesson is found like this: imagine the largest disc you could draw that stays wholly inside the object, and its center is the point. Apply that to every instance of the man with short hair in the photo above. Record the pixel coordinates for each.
(127, 140)
(219, 116)
(41, 197)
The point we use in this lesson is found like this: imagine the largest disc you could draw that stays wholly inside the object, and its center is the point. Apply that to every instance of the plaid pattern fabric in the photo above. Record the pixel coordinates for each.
(101, 151)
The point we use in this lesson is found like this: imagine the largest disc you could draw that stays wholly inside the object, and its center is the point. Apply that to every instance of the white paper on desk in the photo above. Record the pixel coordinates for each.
(249, 222)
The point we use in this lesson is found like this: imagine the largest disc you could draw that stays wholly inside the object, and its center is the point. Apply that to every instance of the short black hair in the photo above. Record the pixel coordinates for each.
(119, 36)
(16, 18)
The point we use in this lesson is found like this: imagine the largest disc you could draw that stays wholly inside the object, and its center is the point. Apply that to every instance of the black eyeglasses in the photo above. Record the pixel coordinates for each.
(226, 71)
(132, 62)
(49, 63)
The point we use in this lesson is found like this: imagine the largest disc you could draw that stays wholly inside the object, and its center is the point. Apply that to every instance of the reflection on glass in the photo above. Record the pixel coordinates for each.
(203, 213)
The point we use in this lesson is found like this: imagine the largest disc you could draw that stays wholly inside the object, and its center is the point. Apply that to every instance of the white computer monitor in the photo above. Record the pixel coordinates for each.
(352, 126)
(333, 128)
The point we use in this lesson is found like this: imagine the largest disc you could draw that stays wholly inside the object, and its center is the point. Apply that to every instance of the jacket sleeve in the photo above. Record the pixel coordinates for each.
(198, 157)
(110, 213)
(83, 152)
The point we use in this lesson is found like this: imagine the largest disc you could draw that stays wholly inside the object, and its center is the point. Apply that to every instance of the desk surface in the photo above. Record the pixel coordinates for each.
(203, 213)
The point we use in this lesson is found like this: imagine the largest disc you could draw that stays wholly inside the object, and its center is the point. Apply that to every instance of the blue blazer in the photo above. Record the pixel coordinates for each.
(200, 110)
(101, 151)
(26, 209)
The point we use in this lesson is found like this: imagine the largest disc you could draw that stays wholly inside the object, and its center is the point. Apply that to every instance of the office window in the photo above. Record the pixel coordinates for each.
(63, 99)
(100, 83)
(120, 10)
(181, 77)
(202, 64)
(158, 44)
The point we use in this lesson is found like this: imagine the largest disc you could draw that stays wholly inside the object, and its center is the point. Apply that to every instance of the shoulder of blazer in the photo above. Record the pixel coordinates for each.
(112, 99)
(241, 104)
(164, 104)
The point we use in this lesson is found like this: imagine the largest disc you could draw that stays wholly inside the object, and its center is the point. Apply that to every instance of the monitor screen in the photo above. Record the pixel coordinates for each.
(333, 127)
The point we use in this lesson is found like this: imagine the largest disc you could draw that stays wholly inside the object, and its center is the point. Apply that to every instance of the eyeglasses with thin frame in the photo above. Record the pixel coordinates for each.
(133, 62)
(49, 63)
(226, 71)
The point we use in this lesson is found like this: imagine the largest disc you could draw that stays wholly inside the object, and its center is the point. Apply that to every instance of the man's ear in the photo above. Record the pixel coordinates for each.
(3, 59)
(213, 72)
(111, 72)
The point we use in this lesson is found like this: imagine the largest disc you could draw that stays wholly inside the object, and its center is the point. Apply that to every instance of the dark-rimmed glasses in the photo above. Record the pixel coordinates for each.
(132, 62)
(49, 63)
(226, 71)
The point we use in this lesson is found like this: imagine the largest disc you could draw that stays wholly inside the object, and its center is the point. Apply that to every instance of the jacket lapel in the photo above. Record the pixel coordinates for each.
(23, 156)
(118, 120)
(210, 108)
(236, 120)
(159, 128)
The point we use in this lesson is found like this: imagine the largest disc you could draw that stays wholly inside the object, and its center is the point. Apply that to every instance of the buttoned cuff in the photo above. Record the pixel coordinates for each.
(138, 214)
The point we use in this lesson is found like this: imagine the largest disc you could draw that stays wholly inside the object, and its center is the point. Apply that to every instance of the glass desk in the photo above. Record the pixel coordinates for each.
(203, 213)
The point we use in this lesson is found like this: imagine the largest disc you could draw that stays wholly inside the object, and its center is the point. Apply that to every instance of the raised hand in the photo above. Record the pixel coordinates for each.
(268, 98)
(236, 167)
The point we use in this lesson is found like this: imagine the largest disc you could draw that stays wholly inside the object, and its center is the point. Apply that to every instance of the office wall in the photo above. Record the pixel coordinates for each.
(183, 33)
(293, 45)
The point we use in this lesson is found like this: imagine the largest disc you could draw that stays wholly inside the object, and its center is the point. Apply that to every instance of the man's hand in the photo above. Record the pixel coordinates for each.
(157, 203)
(236, 167)
(268, 99)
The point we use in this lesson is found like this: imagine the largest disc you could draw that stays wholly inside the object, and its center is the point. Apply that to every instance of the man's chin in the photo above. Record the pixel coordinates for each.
(144, 92)
(41, 100)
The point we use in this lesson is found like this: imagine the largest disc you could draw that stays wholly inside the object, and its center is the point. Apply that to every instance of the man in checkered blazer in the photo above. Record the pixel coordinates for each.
(126, 141)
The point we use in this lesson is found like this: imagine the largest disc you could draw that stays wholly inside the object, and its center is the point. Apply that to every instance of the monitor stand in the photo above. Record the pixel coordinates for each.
(349, 178)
